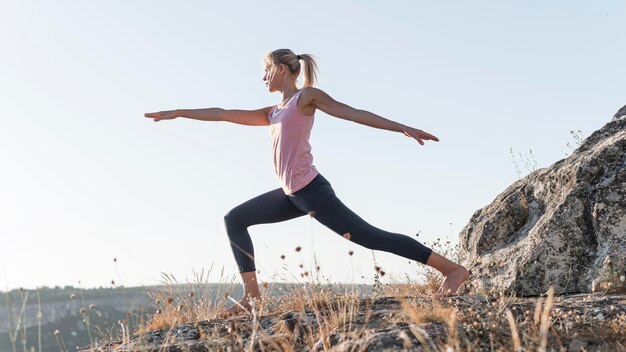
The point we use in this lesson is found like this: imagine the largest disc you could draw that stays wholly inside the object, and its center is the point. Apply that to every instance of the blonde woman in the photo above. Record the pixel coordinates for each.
(303, 189)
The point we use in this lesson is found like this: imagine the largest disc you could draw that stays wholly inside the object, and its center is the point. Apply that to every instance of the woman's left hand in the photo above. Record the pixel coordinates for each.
(419, 135)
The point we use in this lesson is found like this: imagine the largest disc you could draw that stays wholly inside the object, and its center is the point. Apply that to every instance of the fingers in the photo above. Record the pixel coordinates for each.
(429, 136)
(153, 115)
(416, 137)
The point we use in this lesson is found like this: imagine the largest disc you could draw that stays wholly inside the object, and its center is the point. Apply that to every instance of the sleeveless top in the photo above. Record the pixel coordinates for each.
(290, 131)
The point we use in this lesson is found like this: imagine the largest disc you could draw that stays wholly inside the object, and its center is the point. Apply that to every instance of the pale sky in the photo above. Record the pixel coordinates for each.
(85, 178)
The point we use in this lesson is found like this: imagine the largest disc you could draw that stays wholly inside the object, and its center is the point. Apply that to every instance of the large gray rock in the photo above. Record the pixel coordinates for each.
(561, 226)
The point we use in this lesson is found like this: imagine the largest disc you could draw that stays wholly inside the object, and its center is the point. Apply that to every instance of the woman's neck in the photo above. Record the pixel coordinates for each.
(287, 93)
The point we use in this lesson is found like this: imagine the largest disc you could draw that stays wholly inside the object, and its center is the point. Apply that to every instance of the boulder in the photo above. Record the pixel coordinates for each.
(561, 226)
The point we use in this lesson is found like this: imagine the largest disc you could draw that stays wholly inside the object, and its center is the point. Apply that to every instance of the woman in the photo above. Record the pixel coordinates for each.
(303, 189)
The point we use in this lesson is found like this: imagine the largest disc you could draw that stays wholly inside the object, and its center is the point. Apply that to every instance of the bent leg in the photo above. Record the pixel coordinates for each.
(273, 206)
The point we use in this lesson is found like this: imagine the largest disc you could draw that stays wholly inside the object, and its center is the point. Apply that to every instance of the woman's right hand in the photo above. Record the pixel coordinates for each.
(162, 115)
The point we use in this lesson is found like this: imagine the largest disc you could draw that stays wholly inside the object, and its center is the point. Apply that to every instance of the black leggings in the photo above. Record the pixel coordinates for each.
(319, 200)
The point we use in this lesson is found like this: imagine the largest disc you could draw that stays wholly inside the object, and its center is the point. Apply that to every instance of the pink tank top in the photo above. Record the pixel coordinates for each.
(290, 132)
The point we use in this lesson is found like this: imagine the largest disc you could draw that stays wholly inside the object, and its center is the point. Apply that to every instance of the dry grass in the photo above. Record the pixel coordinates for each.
(321, 318)
(190, 302)
(314, 316)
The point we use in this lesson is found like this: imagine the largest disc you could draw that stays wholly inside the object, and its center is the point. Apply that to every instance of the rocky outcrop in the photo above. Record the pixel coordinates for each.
(620, 113)
(561, 226)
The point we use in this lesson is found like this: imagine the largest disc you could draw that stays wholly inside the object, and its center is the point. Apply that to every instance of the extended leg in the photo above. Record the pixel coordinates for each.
(320, 198)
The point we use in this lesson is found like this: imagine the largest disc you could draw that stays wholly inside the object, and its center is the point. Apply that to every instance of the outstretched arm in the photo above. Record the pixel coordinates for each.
(318, 99)
(242, 117)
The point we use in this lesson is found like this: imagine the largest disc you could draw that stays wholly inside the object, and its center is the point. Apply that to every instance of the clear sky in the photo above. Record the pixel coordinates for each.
(85, 177)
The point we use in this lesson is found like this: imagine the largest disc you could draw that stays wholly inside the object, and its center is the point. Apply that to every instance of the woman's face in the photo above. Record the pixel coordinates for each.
(272, 76)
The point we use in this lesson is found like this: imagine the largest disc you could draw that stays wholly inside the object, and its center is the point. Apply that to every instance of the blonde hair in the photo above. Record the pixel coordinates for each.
(291, 60)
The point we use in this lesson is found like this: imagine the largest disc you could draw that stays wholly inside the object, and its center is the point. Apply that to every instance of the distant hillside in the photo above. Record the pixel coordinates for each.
(70, 310)
(61, 310)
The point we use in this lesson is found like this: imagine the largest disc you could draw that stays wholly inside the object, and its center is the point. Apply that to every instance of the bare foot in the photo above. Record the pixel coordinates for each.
(242, 306)
(452, 281)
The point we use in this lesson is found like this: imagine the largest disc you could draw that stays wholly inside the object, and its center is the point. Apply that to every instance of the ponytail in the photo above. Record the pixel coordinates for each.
(310, 69)
(291, 60)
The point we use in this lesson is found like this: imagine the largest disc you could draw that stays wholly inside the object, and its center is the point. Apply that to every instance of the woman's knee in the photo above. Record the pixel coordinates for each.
(232, 220)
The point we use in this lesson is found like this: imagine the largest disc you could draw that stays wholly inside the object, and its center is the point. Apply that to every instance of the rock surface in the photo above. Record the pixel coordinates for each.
(561, 226)
(592, 322)
(620, 113)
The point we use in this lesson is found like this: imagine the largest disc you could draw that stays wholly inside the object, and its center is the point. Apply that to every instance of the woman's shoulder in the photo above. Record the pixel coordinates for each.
(306, 100)
(308, 95)
(308, 91)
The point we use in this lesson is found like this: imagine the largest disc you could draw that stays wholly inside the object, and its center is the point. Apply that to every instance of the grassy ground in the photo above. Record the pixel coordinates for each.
(311, 316)
(396, 317)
